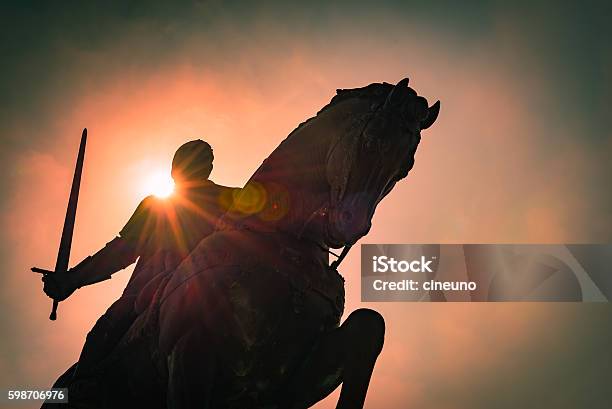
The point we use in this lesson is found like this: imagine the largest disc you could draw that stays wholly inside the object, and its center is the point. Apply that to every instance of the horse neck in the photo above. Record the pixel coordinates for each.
(299, 164)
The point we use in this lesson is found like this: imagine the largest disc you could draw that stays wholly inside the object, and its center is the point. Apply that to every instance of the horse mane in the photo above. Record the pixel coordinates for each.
(376, 91)
(373, 91)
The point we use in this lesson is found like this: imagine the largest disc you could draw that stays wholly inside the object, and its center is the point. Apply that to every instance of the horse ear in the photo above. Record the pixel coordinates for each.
(432, 115)
(397, 93)
(403, 83)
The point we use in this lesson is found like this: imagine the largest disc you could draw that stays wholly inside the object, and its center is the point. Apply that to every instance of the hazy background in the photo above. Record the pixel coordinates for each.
(520, 153)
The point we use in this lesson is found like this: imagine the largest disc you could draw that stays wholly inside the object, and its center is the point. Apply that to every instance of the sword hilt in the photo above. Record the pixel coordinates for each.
(53, 315)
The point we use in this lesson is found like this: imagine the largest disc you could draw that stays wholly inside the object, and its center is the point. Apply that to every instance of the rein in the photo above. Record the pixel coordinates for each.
(336, 263)
(339, 257)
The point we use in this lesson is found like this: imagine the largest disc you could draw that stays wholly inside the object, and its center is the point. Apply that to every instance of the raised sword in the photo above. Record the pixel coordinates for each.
(63, 254)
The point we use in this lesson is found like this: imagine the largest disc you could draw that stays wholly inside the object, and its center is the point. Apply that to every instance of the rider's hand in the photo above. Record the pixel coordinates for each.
(59, 286)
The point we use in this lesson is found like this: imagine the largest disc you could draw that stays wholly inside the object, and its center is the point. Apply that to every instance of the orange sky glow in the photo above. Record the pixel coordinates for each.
(483, 173)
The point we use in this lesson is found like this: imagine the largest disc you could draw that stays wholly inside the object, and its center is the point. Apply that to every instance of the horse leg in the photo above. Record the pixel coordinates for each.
(191, 367)
(344, 355)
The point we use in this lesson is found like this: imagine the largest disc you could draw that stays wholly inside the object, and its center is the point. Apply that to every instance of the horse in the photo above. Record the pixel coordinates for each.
(251, 318)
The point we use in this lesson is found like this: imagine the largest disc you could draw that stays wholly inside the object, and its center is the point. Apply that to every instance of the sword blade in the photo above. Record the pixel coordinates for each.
(63, 254)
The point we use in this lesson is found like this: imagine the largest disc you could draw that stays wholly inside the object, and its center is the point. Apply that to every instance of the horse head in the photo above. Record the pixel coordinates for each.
(365, 163)
(324, 181)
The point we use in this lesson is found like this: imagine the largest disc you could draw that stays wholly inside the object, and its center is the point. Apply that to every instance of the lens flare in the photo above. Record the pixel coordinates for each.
(251, 199)
(159, 184)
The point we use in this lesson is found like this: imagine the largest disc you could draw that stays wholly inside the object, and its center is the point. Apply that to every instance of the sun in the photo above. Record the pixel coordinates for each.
(159, 184)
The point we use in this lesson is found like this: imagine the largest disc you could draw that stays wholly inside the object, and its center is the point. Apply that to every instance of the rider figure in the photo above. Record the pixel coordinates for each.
(160, 234)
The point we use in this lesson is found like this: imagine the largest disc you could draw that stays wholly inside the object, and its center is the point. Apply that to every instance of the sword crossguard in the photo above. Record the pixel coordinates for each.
(41, 270)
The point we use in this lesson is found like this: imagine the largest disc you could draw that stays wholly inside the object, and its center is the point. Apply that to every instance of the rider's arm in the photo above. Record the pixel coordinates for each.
(116, 255)
(121, 251)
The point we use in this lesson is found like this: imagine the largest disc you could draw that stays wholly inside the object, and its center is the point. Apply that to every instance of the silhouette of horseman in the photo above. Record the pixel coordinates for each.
(251, 318)
(160, 234)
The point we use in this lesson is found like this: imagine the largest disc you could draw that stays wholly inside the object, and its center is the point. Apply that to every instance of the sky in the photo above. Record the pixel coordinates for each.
(520, 154)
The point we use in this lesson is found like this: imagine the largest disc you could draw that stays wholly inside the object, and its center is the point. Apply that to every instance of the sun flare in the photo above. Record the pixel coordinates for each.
(159, 184)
